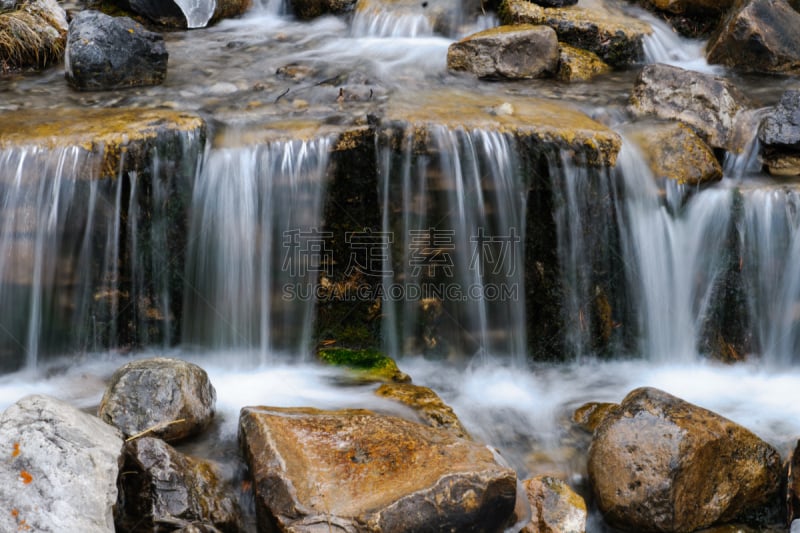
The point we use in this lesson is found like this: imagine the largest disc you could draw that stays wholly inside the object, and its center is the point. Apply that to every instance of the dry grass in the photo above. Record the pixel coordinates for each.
(30, 37)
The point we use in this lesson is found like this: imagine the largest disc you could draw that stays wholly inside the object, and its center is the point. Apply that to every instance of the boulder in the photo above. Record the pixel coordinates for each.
(758, 36)
(589, 415)
(617, 39)
(33, 34)
(691, 18)
(358, 471)
(575, 64)
(511, 52)
(779, 135)
(793, 486)
(675, 152)
(311, 9)
(186, 13)
(160, 485)
(555, 508)
(105, 53)
(59, 468)
(706, 103)
(166, 398)
(426, 403)
(662, 464)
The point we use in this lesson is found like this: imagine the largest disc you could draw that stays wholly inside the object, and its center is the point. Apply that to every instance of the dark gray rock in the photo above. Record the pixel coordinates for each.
(555, 3)
(169, 398)
(160, 485)
(59, 468)
(514, 52)
(779, 135)
(706, 103)
(659, 463)
(105, 53)
(759, 36)
(186, 13)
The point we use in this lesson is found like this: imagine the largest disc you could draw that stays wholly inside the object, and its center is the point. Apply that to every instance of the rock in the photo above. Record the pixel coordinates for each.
(779, 135)
(680, 7)
(358, 471)
(555, 3)
(675, 152)
(616, 39)
(758, 36)
(181, 14)
(311, 9)
(160, 485)
(511, 52)
(367, 364)
(105, 53)
(33, 34)
(541, 125)
(555, 508)
(170, 398)
(793, 486)
(575, 64)
(589, 415)
(59, 468)
(119, 139)
(705, 103)
(427, 404)
(662, 464)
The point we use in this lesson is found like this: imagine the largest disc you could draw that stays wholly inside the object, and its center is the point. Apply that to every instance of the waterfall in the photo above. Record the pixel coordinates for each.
(457, 215)
(374, 21)
(665, 45)
(256, 247)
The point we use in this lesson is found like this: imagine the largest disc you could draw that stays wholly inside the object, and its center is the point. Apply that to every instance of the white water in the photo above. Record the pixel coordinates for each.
(666, 46)
(197, 12)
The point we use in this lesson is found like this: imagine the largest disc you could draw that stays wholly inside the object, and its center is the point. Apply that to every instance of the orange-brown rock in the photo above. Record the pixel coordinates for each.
(555, 508)
(426, 403)
(358, 471)
(662, 464)
(589, 415)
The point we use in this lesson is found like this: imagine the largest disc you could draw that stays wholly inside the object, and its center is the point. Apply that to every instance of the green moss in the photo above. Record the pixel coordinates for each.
(368, 363)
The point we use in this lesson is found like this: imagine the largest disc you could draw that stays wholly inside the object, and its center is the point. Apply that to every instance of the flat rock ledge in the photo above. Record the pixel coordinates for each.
(358, 471)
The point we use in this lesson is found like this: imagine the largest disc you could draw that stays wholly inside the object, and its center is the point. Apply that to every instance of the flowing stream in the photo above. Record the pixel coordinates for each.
(253, 202)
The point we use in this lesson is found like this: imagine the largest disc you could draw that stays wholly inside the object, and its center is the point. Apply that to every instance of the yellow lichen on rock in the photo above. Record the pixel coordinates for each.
(576, 64)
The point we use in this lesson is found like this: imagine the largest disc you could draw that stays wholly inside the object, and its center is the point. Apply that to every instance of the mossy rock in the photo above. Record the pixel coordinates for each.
(368, 364)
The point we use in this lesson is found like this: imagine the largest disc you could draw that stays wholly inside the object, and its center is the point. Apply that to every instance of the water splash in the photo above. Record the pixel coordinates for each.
(256, 213)
(666, 46)
(197, 12)
(457, 214)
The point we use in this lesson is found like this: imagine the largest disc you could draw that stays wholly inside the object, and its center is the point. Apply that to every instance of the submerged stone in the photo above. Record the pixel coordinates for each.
(59, 468)
(675, 152)
(166, 398)
(616, 39)
(543, 125)
(659, 463)
(358, 471)
(758, 36)
(512, 52)
(105, 53)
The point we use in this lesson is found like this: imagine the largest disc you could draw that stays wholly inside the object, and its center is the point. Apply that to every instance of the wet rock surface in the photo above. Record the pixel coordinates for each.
(708, 104)
(759, 36)
(105, 53)
(662, 464)
(779, 134)
(59, 468)
(555, 507)
(675, 152)
(359, 471)
(576, 64)
(167, 398)
(161, 487)
(427, 404)
(615, 38)
(512, 52)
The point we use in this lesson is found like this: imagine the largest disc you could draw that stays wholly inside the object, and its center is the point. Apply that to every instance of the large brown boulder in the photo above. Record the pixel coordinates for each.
(358, 471)
(662, 464)
(675, 152)
(708, 104)
(166, 398)
(779, 135)
(617, 39)
(160, 485)
(517, 52)
(759, 36)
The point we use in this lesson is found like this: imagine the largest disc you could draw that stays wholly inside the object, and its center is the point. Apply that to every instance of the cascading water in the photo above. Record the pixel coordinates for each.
(255, 230)
(458, 217)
